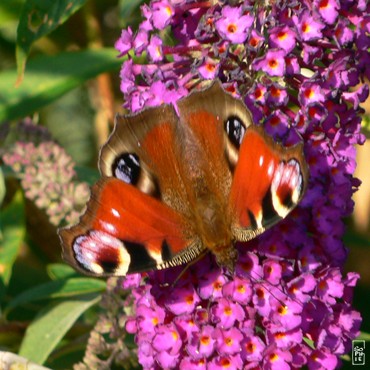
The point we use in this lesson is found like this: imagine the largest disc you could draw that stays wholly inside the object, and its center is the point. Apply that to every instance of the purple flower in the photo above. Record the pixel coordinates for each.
(167, 339)
(140, 42)
(343, 33)
(208, 69)
(272, 271)
(283, 37)
(228, 341)
(277, 95)
(162, 12)
(286, 315)
(284, 339)
(226, 362)
(149, 318)
(300, 287)
(226, 313)
(309, 27)
(252, 349)
(277, 359)
(330, 286)
(255, 40)
(277, 125)
(232, 25)
(311, 93)
(125, 42)
(211, 285)
(296, 65)
(239, 290)
(202, 344)
(272, 63)
(183, 301)
(328, 9)
(155, 48)
(189, 363)
(322, 359)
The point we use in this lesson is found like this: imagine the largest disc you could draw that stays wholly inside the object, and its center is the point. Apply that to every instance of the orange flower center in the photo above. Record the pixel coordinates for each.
(323, 4)
(282, 35)
(228, 311)
(232, 28)
(253, 42)
(205, 340)
(280, 335)
(309, 93)
(273, 357)
(175, 336)
(228, 341)
(306, 28)
(260, 293)
(189, 299)
(273, 63)
(225, 363)
(241, 288)
(250, 347)
(283, 310)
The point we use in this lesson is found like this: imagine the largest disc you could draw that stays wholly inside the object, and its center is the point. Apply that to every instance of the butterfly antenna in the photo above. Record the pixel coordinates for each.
(180, 275)
(263, 282)
(187, 267)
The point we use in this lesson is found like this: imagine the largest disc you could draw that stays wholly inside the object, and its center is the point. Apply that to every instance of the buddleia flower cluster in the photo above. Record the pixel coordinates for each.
(299, 67)
(46, 174)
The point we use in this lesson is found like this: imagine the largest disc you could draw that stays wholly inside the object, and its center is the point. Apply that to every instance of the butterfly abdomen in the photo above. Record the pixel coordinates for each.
(213, 225)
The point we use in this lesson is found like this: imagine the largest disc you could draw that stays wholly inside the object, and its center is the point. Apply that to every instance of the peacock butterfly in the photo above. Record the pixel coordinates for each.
(178, 184)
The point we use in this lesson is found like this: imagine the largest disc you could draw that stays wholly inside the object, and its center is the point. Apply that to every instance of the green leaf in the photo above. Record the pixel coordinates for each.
(51, 324)
(10, 10)
(12, 232)
(60, 271)
(87, 174)
(352, 238)
(2, 186)
(7, 171)
(49, 77)
(365, 124)
(364, 336)
(58, 289)
(38, 18)
(309, 342)
(127, 8)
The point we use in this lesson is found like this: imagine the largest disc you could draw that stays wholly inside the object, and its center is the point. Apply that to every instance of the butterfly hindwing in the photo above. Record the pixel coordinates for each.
(269, 181)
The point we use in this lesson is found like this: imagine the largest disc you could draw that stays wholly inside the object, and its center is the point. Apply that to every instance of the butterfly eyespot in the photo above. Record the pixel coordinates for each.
(100, 253)
(286, 186)
(127, 168)
(235, 130)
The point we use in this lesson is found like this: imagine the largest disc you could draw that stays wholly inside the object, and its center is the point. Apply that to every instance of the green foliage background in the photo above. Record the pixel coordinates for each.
(58, 65)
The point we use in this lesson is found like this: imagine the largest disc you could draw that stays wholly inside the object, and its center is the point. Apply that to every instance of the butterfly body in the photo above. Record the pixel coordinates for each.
(180, 183)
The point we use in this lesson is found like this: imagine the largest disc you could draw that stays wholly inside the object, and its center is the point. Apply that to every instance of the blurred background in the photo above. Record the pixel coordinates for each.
(70, 89)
